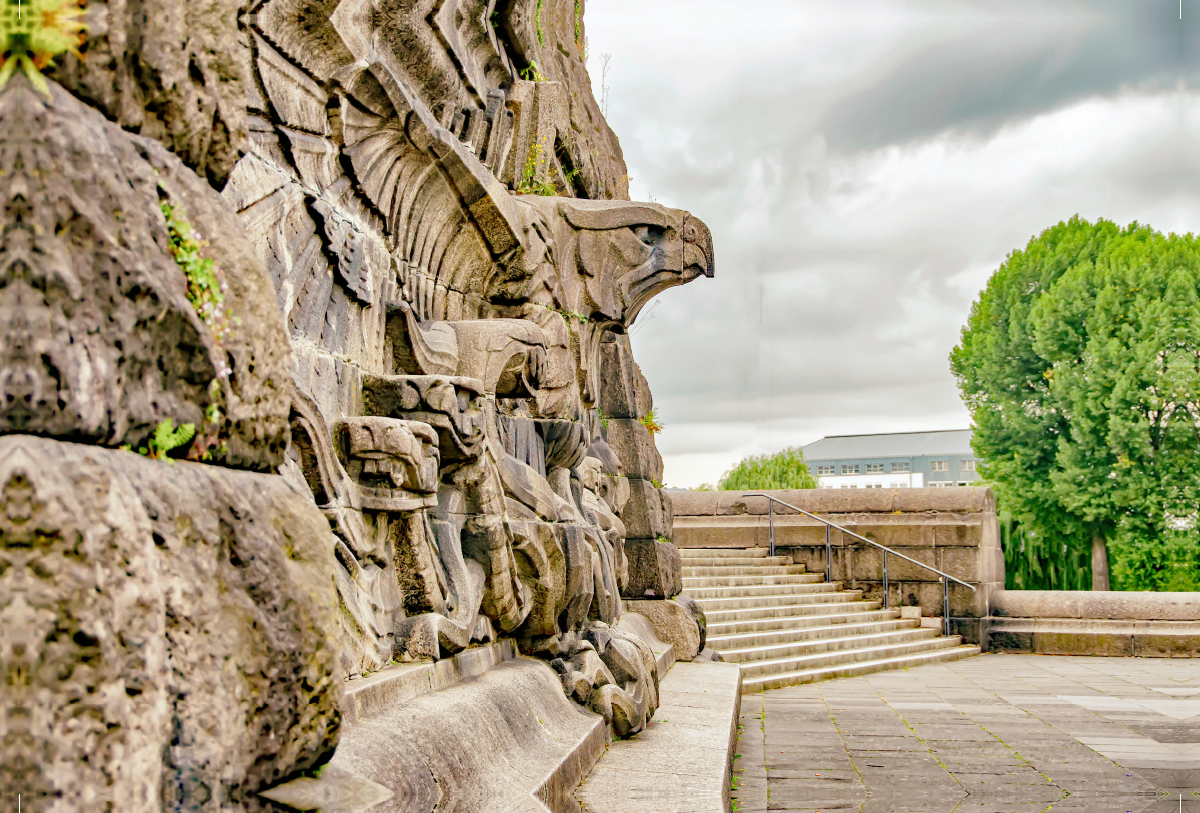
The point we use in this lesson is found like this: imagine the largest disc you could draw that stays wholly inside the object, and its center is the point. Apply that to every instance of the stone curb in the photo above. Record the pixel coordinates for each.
(681, 763)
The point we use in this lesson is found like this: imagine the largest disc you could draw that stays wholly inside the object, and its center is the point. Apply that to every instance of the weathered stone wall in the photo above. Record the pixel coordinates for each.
(954, 530)
(377, 257)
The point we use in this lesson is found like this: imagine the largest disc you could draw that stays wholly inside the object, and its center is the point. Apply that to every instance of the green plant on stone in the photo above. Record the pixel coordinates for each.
(650, 421)
(569, 315)
(532, 73)
(537, 21)
(166, 438)
(529, 184)
(603, 418)
(33, 32)
(206, 284)
(208, 444)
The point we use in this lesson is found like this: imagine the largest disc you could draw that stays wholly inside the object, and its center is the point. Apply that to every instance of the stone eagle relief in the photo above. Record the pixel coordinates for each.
(421, 393)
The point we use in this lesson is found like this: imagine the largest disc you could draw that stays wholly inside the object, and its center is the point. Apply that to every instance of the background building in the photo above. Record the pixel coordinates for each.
(898, 460)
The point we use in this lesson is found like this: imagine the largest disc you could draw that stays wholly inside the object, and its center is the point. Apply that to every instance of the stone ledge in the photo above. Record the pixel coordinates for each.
(1097, 605)
(681, 762)
(836, 501)
(392, 686)
(1103, 637)
(505, 740)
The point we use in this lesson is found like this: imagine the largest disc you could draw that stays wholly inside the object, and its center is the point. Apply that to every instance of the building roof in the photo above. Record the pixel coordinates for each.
(899, 444)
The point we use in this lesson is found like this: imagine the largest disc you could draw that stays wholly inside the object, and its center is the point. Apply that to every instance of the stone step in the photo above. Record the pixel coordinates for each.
(773, 612)
(764, 590)
(855, 668)
(762, 602)
(748, 570)
(844, 643)
(748, 581)
(728, 642)
(731, 553)
(799, 663)
(826, 615)
(721, 561)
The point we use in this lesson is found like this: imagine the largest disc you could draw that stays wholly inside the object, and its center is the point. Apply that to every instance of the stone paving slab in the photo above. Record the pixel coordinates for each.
(991, 734)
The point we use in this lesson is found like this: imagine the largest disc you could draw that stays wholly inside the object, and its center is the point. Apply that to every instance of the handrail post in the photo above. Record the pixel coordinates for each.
(771, 514)
(946, 605)
(885, 590)
(828, 556)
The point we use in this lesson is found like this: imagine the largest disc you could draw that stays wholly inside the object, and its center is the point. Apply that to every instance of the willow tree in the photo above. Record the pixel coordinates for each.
(784, 469)
(1081, 367)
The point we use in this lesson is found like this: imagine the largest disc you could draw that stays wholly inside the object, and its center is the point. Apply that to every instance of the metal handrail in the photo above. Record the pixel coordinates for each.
(945, 578)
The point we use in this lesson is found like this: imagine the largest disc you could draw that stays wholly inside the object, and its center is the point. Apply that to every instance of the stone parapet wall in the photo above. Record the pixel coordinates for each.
(953, 530)
(1062, 622)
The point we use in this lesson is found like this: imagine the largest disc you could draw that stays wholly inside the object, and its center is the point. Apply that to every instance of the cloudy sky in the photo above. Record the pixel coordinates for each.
(865, 165)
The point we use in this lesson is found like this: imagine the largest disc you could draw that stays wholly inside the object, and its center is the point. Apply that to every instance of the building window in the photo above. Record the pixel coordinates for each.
(941, 484)
(874, 468)
(939, 465)
(824, 470)
(900, 468)
(964, 483)
(850, 469)
(967, 465)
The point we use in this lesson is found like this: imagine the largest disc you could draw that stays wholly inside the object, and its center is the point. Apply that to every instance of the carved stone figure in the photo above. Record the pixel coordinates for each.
(388, 188)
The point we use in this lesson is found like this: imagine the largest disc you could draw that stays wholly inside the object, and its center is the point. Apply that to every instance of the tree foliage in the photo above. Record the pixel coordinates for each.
(784, 469)
(1081, 366)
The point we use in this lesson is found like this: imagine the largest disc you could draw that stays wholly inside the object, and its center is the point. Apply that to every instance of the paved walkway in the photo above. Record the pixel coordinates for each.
(990, 734)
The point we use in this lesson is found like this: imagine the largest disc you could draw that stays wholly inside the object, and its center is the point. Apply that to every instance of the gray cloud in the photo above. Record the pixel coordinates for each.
(864, 168)
(1019, 62)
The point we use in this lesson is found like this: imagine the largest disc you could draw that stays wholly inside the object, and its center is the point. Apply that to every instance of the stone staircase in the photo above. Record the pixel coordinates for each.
(785, 626)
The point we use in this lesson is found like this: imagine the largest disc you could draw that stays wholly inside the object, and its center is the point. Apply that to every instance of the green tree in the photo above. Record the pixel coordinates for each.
(784, 469)
(1081, 367)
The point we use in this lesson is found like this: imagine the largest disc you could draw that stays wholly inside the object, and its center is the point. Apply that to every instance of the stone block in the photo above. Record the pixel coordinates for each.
(1003, 641)
(200, 113)
(1157, 645)
(1115, 645)
(694, 503)
(957, 534)
(809, 534)
(655, 570)
(644, 514)
(967, 564)
(715, 532)
(195, 599)
(618, 396)
(634, 446)
(903, 535)
(954, 500)
(115, 347)
(972, 629)
(673, 623)
(867, 564)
